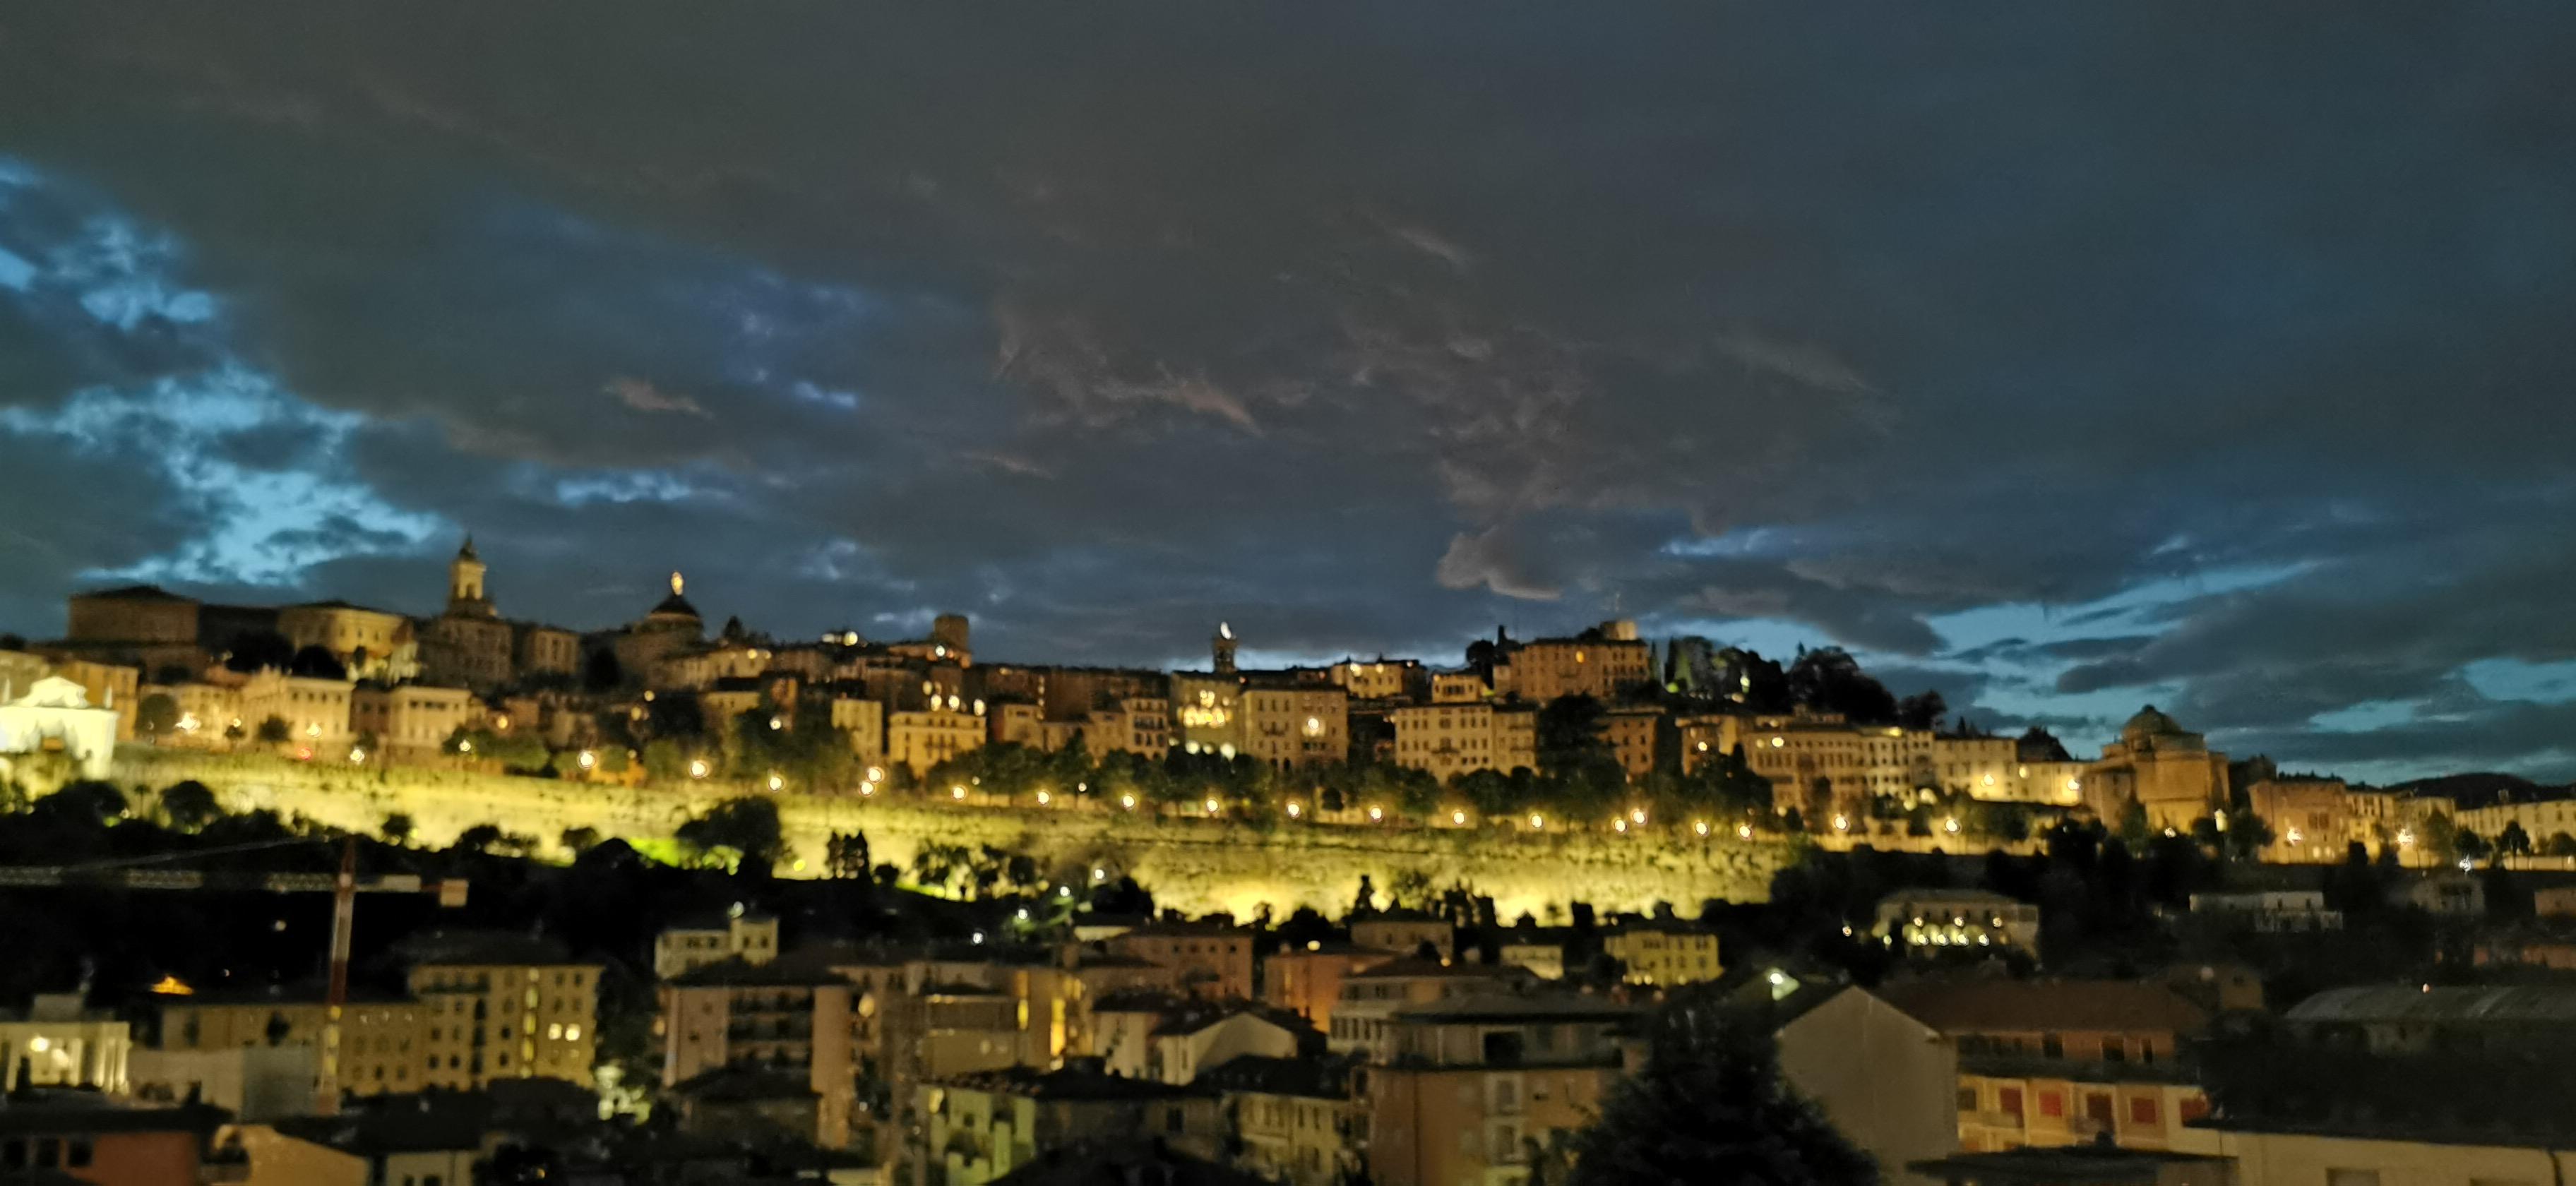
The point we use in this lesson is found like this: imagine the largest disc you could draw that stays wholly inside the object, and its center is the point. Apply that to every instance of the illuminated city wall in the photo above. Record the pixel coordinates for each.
(1194, 865)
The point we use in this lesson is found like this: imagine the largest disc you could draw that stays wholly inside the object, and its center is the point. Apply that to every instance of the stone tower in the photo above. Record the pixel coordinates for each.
(465, 583)
(1222, 647)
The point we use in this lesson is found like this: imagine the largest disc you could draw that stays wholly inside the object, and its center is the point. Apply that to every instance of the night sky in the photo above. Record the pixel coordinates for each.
(2061, 357)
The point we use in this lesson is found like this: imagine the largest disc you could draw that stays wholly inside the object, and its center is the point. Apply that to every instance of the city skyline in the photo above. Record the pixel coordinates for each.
(2057, 361)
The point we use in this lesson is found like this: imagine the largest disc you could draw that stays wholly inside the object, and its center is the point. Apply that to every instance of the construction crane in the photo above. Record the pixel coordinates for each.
(343, 886)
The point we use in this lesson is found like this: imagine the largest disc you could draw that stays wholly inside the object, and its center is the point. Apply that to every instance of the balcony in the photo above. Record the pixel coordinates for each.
(1990, 1119)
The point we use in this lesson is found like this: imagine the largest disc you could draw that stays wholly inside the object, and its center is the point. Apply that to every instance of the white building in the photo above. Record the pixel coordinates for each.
(54, 714)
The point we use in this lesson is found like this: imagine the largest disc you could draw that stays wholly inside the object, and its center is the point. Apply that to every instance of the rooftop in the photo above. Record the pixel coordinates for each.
(489, 949)
(1323, 1078)
(1416, 968)
(1504, 1008)
(2073, 1164)
(2551, 1003)
(1988, 1005)
(1071, 1083)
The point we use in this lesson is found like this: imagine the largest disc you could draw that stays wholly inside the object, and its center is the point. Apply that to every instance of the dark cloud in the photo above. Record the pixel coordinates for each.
(1364, 328)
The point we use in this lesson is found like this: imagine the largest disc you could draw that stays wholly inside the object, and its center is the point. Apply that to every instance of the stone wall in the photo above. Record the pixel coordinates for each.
(1196, 865)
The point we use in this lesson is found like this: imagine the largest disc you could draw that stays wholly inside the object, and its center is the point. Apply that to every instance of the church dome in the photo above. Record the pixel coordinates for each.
(674, 606)
(2150, 723)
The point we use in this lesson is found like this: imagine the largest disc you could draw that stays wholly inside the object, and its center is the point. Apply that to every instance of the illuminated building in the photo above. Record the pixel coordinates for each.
(1603, 663)
(112, 686)
(384, 1041)
(1932, 921)
(1292, 726)
(695, 943)
(1664, 954)
(2172, 773)
(1449, 739)
(417, 718)
(1380, 678)
(863, 721)
(1214, 961)
(1301, 1121)
(54, 715)
(672, 626)
(504, 1006)
(1362, 1020)
(316, 711)
(2311, 818)
(467, 645)
(1307, 980)
(1707, 738)
(370, 643)
(1132, 724)
(1404, 932)
(919, 739)
(1631, 734)
(57, 1042)
(206, 711)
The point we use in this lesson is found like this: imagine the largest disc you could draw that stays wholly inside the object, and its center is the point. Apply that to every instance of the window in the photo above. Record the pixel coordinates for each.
(76, 1154)
(2142, 1110)
(1967, 1099)
(2051, 1046)
(2114, 1050)
(2336, 1177)
(2052, 1104)
(2008, 1099)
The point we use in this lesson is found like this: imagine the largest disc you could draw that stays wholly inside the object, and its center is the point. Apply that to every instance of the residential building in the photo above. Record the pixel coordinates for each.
(112, 686)
(2078, 1165)
(919, 739)
(863, 721)
(1884, 1078)
(383, 1041)
(2449, 895)
(1603, 663)
(502, 1007)
(1214, 960)
(1300, 1121)
(1155, 1036)
(544, 650)
(1363, 1021)
(426, 1145)
(695, 943)
(1931, 921)
(1664, 955)
(2268, 912)
(1469, 1089)
(1450, 739)
(207, 711)
(1380, 678)
(2401, 1019)
(1131, 725)
(1404, 931)
(1708, 737)
(79, 1136)
(1633, 735)
(790, 1016)
(979, 1127)
(2064, 1062)
(1291, 726)
(1307, 980)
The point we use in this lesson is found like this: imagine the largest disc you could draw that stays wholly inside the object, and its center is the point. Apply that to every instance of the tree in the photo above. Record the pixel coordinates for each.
(845, 855)
(259, 650)
(2133, 829)
(396, 829)
(2513, 841)
(479, 838)
(189, 805)
(316, 662)
(89, 804)
(1828, 679)
(1922, 710)
(747, 826)
(1710, 1106)
(156, 714)
(578, 840)
(2470, 845)
(2559, 844)
(601, 673)
(274, 731)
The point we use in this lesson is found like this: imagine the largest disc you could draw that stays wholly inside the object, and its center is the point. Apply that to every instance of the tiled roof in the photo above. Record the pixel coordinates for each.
(1071, 1084)
(1314, 1077)
(2547, 1003)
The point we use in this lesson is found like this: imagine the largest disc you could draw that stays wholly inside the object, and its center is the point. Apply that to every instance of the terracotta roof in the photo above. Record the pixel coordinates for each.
(1957, 1006)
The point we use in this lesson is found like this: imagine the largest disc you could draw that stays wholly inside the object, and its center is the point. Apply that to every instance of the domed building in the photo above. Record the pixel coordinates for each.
(673, 625)
(2168, 769)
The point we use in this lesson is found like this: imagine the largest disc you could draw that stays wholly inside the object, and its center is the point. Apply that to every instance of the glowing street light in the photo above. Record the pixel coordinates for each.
(1211, 806)
(1637, 816)
(776, 783)
(1842, 823)
(1376, 814)
(1744, 831)
(464, 746)
(698, 768)
(1700, 826)
(957, 792)
(1457, 817)
(776, 724)
(1294, 811)
(1537, 821)
(1043, 798)
(1127, 801)
(1951, 825)
(1619, 825)
(588, 759)
(876, 774)
(357, 755)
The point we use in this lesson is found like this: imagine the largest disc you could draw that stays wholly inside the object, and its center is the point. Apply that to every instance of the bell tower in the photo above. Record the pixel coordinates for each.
(465, 583)
(1222, 649)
